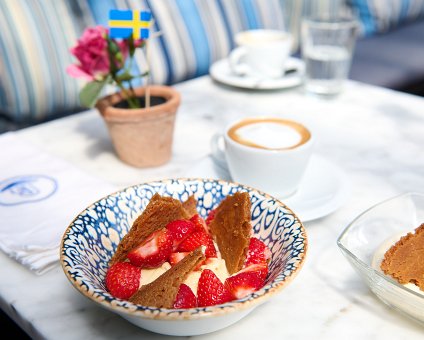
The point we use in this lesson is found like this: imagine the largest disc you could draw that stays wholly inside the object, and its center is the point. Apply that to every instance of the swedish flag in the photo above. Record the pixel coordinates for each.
(123, 24)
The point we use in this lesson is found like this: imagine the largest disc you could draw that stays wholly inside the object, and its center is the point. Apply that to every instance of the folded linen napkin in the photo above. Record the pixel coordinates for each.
(40, 195)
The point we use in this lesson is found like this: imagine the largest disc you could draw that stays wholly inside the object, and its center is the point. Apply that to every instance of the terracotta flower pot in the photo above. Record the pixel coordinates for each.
(142, 137)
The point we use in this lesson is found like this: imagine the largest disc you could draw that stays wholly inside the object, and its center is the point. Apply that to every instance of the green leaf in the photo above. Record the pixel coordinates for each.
(125, 76)
(90, 92)
(113, 46)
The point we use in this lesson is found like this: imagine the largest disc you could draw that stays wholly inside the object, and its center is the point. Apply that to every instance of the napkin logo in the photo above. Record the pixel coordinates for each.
(26, 189)
(123, 24)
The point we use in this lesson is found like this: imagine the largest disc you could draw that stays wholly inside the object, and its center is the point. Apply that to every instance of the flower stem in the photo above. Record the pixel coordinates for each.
(130, 97)
(134, 97)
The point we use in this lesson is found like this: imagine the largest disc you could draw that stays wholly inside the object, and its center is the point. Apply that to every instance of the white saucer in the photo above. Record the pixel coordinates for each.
(324, 188)
(221, 72)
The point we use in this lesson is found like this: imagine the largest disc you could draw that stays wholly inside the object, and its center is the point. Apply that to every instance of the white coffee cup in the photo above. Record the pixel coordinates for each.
(269, 154)
(261, 53)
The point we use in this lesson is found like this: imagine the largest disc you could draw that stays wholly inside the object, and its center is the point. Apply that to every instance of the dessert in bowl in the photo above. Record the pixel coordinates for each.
(384, 245)
(92, 239)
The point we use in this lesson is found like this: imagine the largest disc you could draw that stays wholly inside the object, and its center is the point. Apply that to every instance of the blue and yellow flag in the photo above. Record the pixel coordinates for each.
(123, 24)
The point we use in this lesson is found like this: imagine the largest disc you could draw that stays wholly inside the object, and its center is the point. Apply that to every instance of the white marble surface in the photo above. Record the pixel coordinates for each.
(375, 135)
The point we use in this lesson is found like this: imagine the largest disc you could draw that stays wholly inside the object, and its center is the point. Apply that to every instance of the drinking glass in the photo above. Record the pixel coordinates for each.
(327, 46)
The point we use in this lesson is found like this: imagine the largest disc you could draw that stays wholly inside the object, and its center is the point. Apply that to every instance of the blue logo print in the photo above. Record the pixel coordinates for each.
(26, 189)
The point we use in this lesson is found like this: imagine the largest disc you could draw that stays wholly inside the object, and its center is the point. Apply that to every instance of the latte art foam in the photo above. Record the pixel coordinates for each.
(270, 135)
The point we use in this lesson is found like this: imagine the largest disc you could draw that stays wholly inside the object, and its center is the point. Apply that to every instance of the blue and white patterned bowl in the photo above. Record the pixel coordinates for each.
(92, 238)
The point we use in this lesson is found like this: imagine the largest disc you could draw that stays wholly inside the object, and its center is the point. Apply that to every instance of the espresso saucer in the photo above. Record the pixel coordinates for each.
(221, 72)
(324, 188)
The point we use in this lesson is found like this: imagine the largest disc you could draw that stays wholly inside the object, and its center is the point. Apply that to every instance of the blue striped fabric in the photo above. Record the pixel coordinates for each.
(378, 16)
(250, 12)
(197, 33)
(36, 35)
(34, 41)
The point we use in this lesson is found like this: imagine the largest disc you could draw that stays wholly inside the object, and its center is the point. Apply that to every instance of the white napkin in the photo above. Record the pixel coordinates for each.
(40, 195)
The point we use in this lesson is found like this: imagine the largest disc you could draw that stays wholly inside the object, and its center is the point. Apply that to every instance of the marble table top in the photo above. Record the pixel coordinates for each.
(375, 135)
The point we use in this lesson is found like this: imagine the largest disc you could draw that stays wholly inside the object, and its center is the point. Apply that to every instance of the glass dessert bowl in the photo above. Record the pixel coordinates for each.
(370, 235)
(93, 237)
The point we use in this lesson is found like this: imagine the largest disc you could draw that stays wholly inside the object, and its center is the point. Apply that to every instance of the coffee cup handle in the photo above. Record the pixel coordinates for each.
(236, 62)
(218, 153)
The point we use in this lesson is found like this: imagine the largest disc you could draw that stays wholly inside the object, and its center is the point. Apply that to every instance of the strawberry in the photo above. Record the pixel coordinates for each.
(258, 252)
(174, 258)
(122, 280)
(210, 290)
(154, 251)
(197, 239)
(243, 284)
(193, 241)
(210, 248)
(261, 269)
(199, 223)
(211, 216)
(179, 230)
(185, 297)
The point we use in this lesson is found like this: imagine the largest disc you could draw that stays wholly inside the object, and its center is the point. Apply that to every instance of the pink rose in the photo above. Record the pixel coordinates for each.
(91, 52)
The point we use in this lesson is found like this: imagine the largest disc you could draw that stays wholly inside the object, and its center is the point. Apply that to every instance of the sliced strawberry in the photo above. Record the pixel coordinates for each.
(199, 223)
(211, 216)
(185, 297)
(243, 284)
(152, 252)
(261, 269)
(258, 252)
(210, 248)
(210, 290)
(197, 239)
(193, 241)
(122, 280)
(174, 258)
(179, 230)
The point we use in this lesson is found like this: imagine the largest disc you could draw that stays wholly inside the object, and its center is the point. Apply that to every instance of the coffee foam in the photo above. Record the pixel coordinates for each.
(271, 134)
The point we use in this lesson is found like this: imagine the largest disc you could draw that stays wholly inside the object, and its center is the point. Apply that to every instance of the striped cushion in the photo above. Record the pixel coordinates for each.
(34, 41)
(195, 33)
(37, 34)
(379, 16)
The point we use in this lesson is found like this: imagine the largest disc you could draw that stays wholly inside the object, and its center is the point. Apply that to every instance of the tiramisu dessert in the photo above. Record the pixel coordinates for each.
(173, 258)
(404, 261)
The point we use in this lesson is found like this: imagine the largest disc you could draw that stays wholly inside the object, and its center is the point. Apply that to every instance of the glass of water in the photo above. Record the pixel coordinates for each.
(327, 46)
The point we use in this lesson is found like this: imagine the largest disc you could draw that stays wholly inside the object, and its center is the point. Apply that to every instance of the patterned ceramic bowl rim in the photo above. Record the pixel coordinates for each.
(249, 301)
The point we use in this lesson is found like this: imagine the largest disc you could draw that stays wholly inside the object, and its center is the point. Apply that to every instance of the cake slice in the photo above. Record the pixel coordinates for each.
(404, 261)
(158, 213)
(191, 206)
(162, 292)
(231, 230)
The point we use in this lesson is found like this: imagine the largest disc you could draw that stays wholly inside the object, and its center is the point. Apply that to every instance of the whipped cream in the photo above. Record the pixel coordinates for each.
(270, 135)
(217, 265)
(149, 275)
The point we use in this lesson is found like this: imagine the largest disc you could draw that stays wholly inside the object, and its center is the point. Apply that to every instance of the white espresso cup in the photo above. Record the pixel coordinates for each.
(269, 154)
(261, 53)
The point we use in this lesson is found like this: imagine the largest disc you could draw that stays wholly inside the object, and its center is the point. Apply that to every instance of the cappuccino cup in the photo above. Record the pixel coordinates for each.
(269, 154)
(262, 53)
